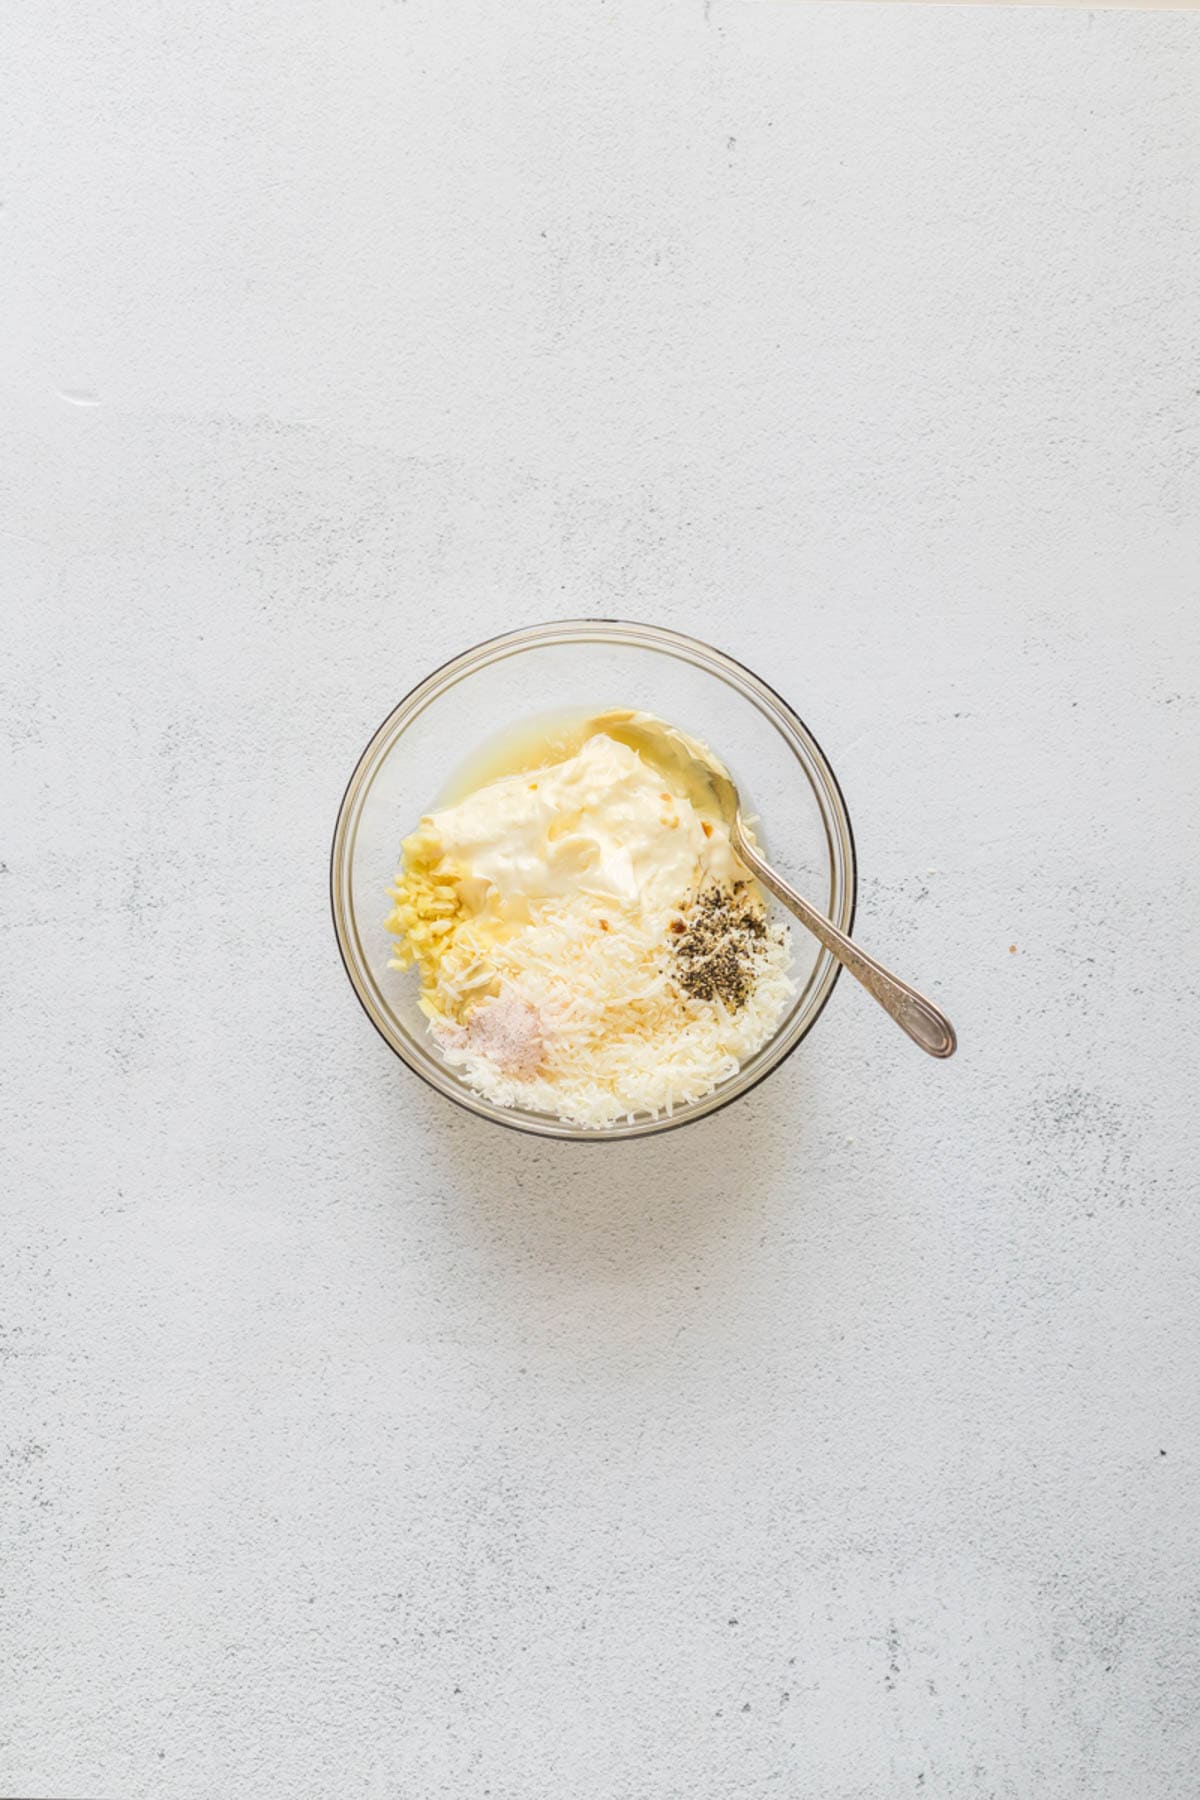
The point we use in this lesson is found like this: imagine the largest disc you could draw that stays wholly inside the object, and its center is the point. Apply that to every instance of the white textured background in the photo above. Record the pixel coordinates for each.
(844, 1447)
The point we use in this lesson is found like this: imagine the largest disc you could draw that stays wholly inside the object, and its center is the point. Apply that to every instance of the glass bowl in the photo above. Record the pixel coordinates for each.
(575, 666)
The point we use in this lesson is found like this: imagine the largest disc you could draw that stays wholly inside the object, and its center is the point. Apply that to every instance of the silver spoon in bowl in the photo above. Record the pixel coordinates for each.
(706, 780)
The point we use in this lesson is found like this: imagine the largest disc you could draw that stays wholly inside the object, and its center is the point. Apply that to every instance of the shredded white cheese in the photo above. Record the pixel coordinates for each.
(619, 1038)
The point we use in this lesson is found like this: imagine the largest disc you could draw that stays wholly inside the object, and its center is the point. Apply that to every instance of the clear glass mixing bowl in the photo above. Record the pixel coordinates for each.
(576, 666)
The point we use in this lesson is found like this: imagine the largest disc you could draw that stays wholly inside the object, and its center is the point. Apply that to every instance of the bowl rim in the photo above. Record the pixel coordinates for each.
(527, 636)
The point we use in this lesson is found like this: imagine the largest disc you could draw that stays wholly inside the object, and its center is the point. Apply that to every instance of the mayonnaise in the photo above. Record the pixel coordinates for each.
(601, 823)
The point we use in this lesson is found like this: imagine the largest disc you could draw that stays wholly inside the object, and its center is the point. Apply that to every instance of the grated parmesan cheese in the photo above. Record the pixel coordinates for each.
(619, 1037)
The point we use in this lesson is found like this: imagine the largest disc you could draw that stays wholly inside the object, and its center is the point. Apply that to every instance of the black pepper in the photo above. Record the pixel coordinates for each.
(716, 945)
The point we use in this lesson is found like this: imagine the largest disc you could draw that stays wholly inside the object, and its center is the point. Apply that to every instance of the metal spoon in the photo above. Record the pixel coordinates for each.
(709, 784)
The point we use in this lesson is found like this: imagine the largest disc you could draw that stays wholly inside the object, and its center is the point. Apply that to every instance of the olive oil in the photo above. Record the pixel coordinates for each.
(533, 743)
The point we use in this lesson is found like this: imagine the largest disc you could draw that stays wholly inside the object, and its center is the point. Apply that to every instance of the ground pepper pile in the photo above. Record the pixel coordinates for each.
(716, 945)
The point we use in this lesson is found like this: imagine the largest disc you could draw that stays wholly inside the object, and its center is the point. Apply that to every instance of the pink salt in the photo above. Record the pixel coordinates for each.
(508, 1032)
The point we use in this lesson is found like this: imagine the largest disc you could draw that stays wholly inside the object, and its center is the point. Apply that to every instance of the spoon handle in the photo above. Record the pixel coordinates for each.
(914, 1014)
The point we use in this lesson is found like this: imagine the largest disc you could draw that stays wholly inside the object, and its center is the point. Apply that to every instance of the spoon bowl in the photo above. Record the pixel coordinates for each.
(709, 785)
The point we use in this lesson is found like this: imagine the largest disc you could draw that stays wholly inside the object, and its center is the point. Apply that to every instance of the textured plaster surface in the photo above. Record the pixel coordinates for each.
(842, 1447)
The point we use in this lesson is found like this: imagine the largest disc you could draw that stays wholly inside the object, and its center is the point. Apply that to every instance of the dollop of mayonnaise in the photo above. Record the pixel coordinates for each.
(601, 823)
